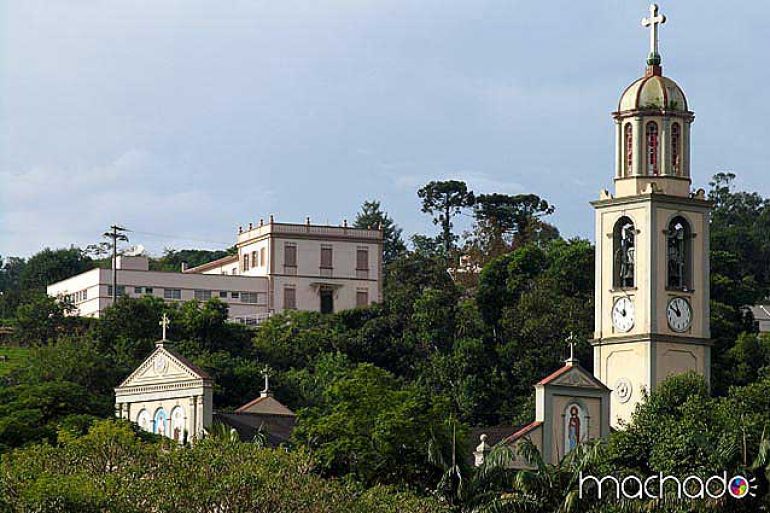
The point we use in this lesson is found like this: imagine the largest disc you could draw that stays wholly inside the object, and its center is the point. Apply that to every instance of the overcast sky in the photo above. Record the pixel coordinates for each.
(182, 119)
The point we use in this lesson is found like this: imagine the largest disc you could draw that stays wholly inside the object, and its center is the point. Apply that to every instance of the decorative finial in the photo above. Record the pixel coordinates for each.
(653, 22)
(164, 322)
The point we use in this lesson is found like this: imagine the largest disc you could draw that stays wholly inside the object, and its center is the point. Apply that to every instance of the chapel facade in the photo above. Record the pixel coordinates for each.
(170, 396)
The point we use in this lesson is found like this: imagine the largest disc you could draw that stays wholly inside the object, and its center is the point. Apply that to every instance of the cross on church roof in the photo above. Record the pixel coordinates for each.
(653, 22)
(164, 322)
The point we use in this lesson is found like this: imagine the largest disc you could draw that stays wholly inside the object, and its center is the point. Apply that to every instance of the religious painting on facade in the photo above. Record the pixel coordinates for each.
(574, 426)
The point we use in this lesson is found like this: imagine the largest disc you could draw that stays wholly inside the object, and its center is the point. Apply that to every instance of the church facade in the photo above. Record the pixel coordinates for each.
(167, 395)
(170, 396)
(651, 276)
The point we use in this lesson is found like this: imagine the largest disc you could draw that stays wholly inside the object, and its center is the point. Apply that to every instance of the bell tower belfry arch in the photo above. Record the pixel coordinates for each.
(652, 245)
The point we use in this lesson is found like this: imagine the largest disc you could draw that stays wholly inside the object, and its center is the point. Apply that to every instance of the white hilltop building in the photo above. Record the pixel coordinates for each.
(278, 267)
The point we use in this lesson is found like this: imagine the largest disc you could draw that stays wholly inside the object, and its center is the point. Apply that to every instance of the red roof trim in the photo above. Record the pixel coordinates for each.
(523, 431)
(554, 375)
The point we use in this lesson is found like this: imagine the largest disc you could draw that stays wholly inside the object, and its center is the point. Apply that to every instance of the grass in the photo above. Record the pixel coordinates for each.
(16, 358)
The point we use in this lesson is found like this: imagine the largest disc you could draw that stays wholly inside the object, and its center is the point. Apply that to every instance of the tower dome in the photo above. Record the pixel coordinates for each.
(653, 92)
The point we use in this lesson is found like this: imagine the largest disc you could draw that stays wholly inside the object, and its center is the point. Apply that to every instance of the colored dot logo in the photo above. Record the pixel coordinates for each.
(740, 487)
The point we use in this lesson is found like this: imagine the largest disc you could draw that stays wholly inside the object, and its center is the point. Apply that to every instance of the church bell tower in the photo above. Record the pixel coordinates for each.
(652, 245)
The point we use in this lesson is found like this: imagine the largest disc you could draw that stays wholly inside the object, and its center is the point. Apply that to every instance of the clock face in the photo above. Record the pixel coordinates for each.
(623, 314)
(679, 314)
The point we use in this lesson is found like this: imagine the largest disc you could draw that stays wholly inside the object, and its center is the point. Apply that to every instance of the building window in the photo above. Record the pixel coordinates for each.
(253, 259)
(245, 262)
(629, 150)
(223, 294)
(679, 237)
(77, 297)
(362, 298)
(121, 290)
(624, 240)
(653, 149)
(326, 257)
(202, 295)
(362, 259)
(137, 290)
(148, 290)
(289, 298)
(676, 148)
(249, 297)
(262, 260)
(235, 295)
(172, 293)
(290, 255)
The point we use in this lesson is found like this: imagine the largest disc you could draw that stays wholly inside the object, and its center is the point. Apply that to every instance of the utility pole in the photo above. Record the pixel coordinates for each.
(115, 235)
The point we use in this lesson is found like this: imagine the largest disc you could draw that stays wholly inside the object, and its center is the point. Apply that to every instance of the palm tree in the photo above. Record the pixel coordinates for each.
(496, 487)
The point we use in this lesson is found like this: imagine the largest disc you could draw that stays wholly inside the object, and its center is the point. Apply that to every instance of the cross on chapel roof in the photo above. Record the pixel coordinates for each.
(571, 341)
(266, 392)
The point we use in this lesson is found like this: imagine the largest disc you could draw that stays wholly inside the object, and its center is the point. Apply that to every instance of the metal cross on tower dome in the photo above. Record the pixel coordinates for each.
(653, 22)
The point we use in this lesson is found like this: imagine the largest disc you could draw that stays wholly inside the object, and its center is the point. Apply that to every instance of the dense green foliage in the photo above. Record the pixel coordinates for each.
(381, 390)
(110, 470)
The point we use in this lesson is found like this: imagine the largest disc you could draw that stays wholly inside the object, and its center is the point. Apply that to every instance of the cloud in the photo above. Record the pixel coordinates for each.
(61, 206)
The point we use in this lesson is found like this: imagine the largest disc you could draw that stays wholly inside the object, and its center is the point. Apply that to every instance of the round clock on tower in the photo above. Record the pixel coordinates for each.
(652, 244)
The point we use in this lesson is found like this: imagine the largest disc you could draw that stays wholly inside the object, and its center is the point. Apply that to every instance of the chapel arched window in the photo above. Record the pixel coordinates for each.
(679, 243)
(628, 137)
(676, 148)
(653, 149)
(624, 249)
(160, 424)
(178, 424)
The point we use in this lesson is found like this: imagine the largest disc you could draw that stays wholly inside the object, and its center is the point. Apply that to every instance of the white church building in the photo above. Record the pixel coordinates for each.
(170, 396)
(277, 267)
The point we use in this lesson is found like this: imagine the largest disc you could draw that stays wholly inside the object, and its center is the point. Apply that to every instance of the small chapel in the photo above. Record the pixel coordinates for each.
(652, 276)
(170, 396)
